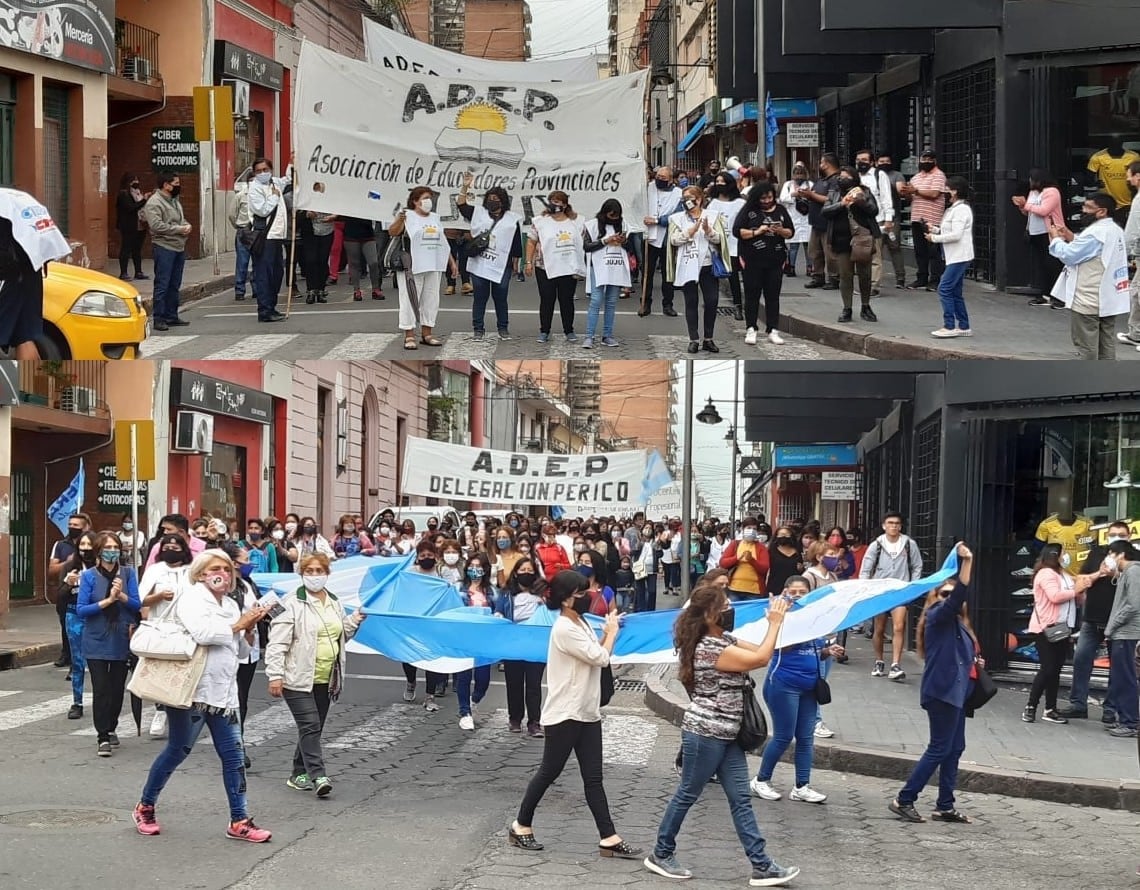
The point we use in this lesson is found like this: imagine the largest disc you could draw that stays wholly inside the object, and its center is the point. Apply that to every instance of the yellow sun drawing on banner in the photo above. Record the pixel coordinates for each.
(483, 117)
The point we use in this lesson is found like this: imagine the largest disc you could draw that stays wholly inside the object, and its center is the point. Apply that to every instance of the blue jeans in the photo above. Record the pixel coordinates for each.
(703, 758)
(793, 255)
(168, 266)
(268, 273)
(78, 662)
(943, 751)
(184, 726)
(950, 293)
(241, 266)
(1083, 656)
(599, 293)
(482, 678)
(794, 712)
(1122, 685)
(488, 290)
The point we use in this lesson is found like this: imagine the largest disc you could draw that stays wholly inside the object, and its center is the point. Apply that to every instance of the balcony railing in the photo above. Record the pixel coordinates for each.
(137, 50)
(75, 387)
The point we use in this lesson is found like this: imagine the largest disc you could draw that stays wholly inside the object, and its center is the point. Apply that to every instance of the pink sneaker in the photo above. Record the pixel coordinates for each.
(145, 821)
(245, 830)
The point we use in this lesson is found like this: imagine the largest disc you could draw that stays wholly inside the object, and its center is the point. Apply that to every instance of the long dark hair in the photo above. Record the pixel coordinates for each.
(931, 598)
(752, 199)
(75, 561)
(1050, 558)
(609, 206)
(961, 185)
(484, 583)
(501, 193)
(1042, 177)
(538, 588)
(125, 181)
(692, 626)
(601, 570)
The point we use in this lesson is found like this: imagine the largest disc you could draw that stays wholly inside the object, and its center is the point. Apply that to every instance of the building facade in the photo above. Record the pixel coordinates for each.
(489, 29)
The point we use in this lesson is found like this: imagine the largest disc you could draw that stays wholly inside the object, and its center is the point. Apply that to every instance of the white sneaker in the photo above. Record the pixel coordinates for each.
(467, 722)
(1124, 337)
(1120, 480)
(807, 794)
(821, 730)
(897, 673)
(944, 333)
(879, 670)
(158, 725)
(750, 337)
(775, 339)
(763, 790)
(429, 704)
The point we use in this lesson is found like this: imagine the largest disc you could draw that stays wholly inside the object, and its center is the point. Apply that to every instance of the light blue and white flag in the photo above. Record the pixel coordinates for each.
(70, 501)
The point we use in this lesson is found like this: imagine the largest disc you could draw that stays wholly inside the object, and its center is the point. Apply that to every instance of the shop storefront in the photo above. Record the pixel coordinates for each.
(257, 82)
(221, 439)
(816, 481)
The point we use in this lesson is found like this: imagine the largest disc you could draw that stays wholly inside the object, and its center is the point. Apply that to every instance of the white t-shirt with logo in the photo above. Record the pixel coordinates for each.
(610, 265)
(561, 244)
(430, 250)
(492, 262)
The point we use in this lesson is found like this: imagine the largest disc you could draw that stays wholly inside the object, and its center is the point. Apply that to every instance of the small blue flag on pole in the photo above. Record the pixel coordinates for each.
(71, 501)
(657, 476)
(771, 127)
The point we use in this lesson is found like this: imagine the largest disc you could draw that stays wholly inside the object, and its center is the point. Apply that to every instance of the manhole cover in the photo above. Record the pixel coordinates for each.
(56, 819)
(629, 685)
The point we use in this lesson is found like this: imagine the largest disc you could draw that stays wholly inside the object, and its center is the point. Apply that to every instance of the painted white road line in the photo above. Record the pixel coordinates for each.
(392, 678)
(53, 707)
(6, 692)
(392, 309)
(124, 719)
(382, 731)
(254, 347)
(627, 740)
(159, 344)
(264, 725)
(359, 346)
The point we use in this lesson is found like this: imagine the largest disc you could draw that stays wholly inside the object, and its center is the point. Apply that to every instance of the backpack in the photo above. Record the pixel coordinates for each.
(878, 545)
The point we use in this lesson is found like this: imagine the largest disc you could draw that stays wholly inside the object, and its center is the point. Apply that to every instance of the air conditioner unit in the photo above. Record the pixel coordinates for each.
(77, 400)
(531, 444)
(241, 96)
(193, 432)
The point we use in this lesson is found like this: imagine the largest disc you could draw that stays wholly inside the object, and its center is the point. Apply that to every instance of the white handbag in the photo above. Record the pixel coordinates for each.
(164, 639)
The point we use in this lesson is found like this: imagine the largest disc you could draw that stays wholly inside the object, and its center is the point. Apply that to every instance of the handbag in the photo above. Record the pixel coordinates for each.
(395, 255)
(1054, 633)
(166, 682)
(164, 640)
(984, 689)
(753, 731)
(862, 243)
(719, 269)
(477, 244)
(607, 685)
(822, 687)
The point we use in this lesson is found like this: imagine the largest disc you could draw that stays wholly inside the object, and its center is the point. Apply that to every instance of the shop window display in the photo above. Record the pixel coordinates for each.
(223, 484)
(1105, 132)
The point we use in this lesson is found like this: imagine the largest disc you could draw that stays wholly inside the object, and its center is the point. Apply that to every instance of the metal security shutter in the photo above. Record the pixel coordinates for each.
(966, 145)
(22, 580)
(923, 521)
(57, 154)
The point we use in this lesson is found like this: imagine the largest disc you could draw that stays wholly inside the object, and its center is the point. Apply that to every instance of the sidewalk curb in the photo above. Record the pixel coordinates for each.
(1103, 793)
(849, 339)
(193, 293)
(40, 653)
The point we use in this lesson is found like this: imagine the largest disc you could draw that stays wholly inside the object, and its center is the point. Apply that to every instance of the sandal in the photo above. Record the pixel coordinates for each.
(905, 811)
(950, 816)
(410, 343)
(620, 850)
(522, 841)
(431, 341)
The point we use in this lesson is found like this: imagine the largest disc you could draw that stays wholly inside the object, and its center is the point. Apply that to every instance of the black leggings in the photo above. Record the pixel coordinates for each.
(585, 741)
(108, 683)
(1052, 659)
(315, 250)
(709, 294)
(245, 680)
(130, 248)
(558, 290)
(734, 281)
(762, 282)
(524, 690)
(433, 681)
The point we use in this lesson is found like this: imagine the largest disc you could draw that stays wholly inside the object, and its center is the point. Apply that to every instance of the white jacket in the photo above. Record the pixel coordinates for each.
(210, 623)
(878, 183)
(957, 234)
(801, 221)
(291, 654)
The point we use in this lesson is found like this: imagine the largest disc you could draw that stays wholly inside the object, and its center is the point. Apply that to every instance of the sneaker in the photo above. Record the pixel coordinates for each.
(944, 333)
(571, 337)
(764, 790)
(544, 338)
(1029, 715)
(478, 335)
(1108, 718)
(897, 673)
(104, 749)
(145, 821)
(323, 786)
(879, 670)
(1122, 732)
(113, 740)
(807, 794)
(965, 332)
(610, 341)
(1125, 337)
(1053, 716)
(300, 782)
(667, 867)
(430, 705)
(158, 725)
(1040, 301)
(775, 339)
(821, 731)
(410, 692)
(1026, 572)
(750, 337)
(1075, 713)
(467, 722)
(772, 876)
(514, 726)
(377, 294)
(357, 296)
(75, 712)
(587, 342)
(535, 731)
(1122, 479)
(505, 336)
(245, 830)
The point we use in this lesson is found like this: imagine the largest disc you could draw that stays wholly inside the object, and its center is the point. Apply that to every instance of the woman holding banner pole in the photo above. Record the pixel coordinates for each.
(490, 268)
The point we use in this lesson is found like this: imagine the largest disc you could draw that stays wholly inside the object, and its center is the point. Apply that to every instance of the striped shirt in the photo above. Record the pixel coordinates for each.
(928, 210)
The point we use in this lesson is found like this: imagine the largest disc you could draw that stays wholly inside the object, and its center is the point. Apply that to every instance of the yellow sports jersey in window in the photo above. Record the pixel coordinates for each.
(1074, 539)
(328, 639)
(1113, 173)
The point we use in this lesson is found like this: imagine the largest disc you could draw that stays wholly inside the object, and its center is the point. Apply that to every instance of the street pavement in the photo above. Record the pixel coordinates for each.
(420, 805)
(1005, 327)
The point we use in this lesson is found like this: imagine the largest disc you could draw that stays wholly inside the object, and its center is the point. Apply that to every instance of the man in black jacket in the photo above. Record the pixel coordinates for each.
(1098, 604)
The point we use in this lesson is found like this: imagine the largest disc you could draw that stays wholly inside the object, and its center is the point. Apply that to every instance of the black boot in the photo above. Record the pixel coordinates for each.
(814, 283)
(738, 312)
(310, 298)
(845, 316)
(867, 313)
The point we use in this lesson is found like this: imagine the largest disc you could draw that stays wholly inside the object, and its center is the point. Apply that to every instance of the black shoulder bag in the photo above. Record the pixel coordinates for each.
(753, 731)
(822, 687)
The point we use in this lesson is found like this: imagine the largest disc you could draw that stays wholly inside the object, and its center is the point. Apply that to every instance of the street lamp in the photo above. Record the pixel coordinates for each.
(710, 416)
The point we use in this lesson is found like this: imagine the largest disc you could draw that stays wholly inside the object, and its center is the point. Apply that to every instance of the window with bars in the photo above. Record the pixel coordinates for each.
(57, 152)
(967, 147)
(924, 507)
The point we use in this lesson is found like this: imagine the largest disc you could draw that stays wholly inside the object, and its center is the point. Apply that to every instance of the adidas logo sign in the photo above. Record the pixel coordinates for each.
(1024, 551)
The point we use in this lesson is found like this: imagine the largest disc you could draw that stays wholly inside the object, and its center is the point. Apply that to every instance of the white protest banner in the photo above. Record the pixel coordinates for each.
(386, 48)
(459, 472)
(667, 502)
(366, 136)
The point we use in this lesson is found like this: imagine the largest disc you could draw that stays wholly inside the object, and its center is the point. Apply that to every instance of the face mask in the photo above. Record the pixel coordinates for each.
(128, 526)
(846, 184)
(87, 557)
(385, 529)
(74, 533)
(109, 556)
(475, 573)
(557, 208)
(433, 528)
(726, 620)
(514, 523)
(427, 563)
(349, 530)
(290, 527)
(313, 583)
(822, 172)
(886, 168)
(863, 167)
(426, 205)
(831, 563)
(503, 543)
(1087, 219)
(254, 536)
(309, 530)
(264, 178)
(690, 203)
(134, 185)
(664, 184)
(493, 206)
(525, 579)
(246, 570)
(451, 558)
(579, 548)
(176, 191)
(926, 166)
(171, 557)
(785, 542)
(836, 541)
(582, 604)
(586, 571)
(763, 539)
(218, 581)
(683, 181)
(524, 549)
(750, 534)
(278, 534)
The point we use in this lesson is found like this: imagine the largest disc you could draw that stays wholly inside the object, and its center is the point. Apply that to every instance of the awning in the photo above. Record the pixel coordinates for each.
(756, 488)
(694, 134)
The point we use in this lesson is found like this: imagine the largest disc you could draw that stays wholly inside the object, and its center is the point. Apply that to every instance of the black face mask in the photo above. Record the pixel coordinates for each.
(74, 533)
(87, 557)
(664, 184)
(785, 542)
(175, 191)
(886, 168)
(845, 184)
(171, 557)
(525, 579)
(926, 166)
(309, 530)
(726, 620)
(427, 563)
(1087, 219)
(494, 206)
(582, 604)
(863, 167)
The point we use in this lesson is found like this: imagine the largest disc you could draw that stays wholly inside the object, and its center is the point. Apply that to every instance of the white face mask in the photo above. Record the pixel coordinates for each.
(426, 205)
(313, 583)
(264, 178)
(451, 558)
(384, 529)
(278, 534)
(290, 527)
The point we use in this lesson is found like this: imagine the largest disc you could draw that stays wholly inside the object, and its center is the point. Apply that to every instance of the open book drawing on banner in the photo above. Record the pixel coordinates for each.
(480, 136)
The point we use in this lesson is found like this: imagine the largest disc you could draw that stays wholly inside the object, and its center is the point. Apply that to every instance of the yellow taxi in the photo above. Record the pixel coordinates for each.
(91, 316)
